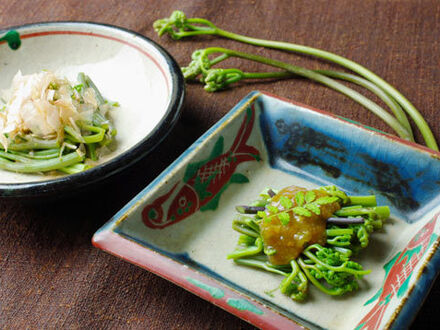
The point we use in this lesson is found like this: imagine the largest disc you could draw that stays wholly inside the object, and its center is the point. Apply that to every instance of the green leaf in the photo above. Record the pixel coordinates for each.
(267, 219)
(301, 211)
(310, 196)
(286, 202)
(326, 200)
(299, 198)
(272, 209)
(261, 214)
(284, 218)
(314, 208)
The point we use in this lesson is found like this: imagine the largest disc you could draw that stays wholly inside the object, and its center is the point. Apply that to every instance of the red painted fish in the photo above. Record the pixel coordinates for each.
(398, 272)
(204, 181)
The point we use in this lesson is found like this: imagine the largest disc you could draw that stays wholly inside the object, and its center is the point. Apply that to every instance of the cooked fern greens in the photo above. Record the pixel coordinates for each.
(49, 124)
(307, 236)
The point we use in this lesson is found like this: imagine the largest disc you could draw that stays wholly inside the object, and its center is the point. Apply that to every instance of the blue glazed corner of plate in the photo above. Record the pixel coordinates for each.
(359, 161)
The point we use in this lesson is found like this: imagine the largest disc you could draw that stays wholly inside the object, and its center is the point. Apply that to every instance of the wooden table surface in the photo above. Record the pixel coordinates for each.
(52, 277)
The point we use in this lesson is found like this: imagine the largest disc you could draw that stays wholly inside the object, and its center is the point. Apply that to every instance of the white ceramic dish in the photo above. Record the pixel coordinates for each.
(180, 226)
(126, 67)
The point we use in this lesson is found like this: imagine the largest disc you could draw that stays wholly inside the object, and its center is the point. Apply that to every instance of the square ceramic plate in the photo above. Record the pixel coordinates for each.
(179, 227)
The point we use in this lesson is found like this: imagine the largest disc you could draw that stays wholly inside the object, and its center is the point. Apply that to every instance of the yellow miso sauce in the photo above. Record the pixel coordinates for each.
(291, 239)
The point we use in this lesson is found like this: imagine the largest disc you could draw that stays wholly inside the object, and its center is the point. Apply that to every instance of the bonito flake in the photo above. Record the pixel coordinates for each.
(41, 104)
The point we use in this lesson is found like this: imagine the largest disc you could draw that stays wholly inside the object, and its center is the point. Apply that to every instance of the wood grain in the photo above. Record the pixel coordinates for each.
(51, 276)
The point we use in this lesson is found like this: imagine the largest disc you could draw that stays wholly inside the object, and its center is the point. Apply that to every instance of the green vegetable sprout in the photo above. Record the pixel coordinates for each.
(329, 268)
(178, 26)
(216, 79)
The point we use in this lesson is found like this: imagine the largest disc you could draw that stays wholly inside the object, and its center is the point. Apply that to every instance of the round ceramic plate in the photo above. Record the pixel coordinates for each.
(126, 67)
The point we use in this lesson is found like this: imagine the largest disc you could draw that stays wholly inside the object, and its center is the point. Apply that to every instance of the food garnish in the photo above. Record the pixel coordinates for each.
(48, 123)
(307, 236)
(178, 26)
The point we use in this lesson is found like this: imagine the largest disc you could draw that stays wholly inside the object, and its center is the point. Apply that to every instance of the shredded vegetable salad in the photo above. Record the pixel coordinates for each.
(49, 124)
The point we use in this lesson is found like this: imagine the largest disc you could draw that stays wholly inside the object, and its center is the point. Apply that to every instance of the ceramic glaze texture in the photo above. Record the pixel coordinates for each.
(125, 67)
(297, 146)
(204, 181)
(325, 150)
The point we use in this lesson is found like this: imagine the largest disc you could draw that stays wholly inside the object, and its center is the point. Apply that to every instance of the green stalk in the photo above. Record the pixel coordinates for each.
(86, 81)
(376, 109)
(339, 231)
(346, 252)
(93, 138)
(41, 165)
(15, 157)
(247, 221)
(300, 280)
(340, 240)
(259, 264)
(382, 212)
(341, 268)
(75, 168)
(91, 148)
(331, 292)
(244, 230)
(392, 104)
(363, 200)
(361, 70)
(389, 101)
(33, 143)
(100, 120)
(268, 75)
(45, 154)
(247, 252)
(178, 26)
(259, 202)
(352, 207)
(74, 136)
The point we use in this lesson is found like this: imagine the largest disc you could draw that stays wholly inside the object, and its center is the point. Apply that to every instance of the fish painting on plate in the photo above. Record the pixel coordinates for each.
(204, 181)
